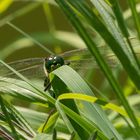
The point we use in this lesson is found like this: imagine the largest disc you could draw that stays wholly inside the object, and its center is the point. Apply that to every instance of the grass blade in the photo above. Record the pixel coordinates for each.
(135, 15)
(93, 112)
(93, 49)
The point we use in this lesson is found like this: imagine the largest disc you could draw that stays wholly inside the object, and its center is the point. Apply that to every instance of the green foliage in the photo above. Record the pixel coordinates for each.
(96, 97)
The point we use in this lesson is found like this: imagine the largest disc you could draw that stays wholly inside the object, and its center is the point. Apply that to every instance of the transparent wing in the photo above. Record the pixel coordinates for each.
(78, 58)
(91, 63)
(31, 68)
(77, 53)
(82, 59)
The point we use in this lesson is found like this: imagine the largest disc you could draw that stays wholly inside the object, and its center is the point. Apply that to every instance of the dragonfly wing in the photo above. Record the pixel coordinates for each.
(82, 58)
(92, 64)
(79, 58)
(77, 54)
(30, 68)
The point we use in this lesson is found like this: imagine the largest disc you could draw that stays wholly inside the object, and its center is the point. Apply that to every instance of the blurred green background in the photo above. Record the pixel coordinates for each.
(46, 23)
(35, 23)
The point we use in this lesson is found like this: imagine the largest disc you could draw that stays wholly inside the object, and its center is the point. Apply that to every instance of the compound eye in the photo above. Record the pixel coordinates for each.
(59, 60)
(48, 63)
(53, 62)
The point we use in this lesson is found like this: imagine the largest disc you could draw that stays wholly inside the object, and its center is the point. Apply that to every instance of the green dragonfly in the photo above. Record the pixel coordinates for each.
(40, 67)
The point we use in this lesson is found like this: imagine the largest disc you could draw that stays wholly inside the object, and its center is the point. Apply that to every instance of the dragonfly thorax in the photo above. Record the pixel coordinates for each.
(53, 62)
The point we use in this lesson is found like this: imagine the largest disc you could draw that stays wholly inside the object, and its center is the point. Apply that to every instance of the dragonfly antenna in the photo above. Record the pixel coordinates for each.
(30, 37)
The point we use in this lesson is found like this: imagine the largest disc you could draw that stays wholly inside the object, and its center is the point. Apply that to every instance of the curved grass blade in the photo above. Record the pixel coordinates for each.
(18, 120)
(8, 119)
(92, 99)
(37, 91)
(58, 88)
(84, 123)
(93, 112)
(100, 27)
(67, 121)
(93, 20)
(69, 112)
(49, 125)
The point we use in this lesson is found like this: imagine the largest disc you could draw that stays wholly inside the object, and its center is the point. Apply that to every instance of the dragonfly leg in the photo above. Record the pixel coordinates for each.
(47, 84)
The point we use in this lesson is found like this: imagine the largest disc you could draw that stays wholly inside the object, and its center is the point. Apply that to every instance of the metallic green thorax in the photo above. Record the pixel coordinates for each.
(53, 62)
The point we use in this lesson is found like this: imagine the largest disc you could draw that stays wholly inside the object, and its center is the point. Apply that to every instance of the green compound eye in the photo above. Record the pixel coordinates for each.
(53, 62)
(59, 60)
(48, 63)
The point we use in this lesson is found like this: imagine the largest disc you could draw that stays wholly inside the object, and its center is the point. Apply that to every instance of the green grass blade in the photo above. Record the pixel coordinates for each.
(86, 124)
(93, 112)
(59, 87)
(92, 99)
(20, 119)
(93, 49)
(90, 127)
(8, 119)
(135, 15)
(122, 24)
(67, 121)
(38, 91)
(121, 52)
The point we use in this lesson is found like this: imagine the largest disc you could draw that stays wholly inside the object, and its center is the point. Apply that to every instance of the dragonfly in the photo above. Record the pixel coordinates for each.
(41, 67)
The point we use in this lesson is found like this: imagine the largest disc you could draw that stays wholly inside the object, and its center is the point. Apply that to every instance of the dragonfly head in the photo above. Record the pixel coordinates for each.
(53, 62)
